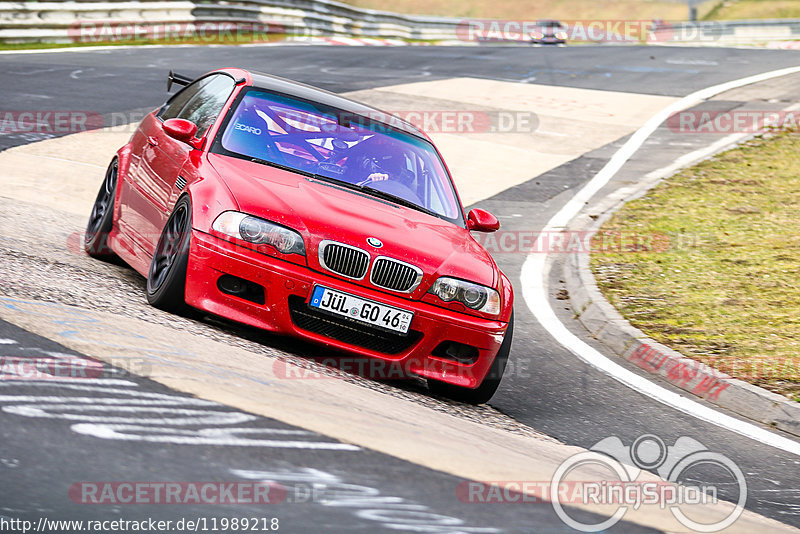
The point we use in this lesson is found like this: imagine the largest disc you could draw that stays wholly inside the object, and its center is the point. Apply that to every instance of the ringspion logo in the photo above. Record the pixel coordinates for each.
(690, 474)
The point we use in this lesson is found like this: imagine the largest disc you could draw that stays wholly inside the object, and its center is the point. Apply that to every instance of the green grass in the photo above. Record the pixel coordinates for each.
(539, 9)
(241, 38)
(590, 9)
(525, 10)
(726, 288)
(37, 46)
(755, 9)
(568, 10)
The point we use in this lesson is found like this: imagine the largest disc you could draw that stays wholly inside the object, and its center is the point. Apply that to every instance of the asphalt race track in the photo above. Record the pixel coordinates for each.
(550, 391)
(326, 484)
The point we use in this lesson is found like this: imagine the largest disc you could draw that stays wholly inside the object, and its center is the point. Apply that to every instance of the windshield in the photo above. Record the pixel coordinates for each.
(346, 148)
(550, 24)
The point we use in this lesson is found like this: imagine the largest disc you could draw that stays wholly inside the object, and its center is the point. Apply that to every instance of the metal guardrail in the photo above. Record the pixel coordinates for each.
(727, 33)
(62, 20)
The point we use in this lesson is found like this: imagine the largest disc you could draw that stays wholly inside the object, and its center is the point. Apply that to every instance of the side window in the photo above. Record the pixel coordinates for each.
(177, 102)
(200, 102)
(204, 107)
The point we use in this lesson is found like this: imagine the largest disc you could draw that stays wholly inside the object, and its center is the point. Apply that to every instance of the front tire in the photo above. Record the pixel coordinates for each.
(488, 387)
(101, 220)
(166, 281)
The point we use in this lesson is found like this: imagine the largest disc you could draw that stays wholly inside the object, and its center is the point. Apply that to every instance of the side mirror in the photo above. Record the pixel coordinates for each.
(180, 129)
(482, 221)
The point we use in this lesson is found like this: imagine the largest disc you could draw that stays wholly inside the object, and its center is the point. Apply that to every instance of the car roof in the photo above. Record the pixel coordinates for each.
(277, 84)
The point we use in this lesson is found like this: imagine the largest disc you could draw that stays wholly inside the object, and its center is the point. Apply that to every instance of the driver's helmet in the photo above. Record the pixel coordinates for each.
(395, 163)
(382, 155)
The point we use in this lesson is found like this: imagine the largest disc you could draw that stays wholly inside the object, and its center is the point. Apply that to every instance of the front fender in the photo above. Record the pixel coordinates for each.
(506, 296)
(123, 172)
(208, 193)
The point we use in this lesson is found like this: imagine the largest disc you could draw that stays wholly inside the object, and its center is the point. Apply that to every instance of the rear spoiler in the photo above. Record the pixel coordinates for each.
(179, 79)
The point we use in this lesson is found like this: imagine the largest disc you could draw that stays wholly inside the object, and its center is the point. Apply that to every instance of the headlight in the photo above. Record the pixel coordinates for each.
(537, 35)
(561, 35)
(260, 232)
(474, 296)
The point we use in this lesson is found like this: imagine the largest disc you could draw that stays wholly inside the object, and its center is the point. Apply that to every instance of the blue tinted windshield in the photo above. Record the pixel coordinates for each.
(342, 147)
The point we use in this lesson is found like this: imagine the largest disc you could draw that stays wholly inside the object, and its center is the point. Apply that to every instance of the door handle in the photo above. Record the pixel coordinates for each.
(152, 140)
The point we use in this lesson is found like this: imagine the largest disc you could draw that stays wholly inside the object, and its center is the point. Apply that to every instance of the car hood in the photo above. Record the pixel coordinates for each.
(320, 210)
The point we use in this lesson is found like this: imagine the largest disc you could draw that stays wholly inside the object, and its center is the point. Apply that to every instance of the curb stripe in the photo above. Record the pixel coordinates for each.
(536, 268)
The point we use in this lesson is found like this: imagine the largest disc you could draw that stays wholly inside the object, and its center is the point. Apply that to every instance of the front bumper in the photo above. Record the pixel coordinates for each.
(287, 288)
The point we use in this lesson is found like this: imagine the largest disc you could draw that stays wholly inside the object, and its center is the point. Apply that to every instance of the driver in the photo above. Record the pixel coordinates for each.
(390, 171)
(384, 168)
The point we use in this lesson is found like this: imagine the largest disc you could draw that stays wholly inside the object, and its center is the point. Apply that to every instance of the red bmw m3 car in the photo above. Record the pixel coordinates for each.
(297, 211)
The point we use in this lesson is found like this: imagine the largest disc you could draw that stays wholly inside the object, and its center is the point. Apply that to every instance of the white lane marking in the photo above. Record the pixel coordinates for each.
(86, 49)
(536, 268)
(208, 436)
(307, 484)
(687, 61)
(7, 342)
(161, 415)
(173, 401)
(65, 383)
(35, 71)
(97, 416)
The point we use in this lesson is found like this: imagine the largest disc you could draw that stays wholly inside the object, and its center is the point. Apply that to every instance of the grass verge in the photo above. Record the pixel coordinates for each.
(591, 9)
(755, 9)
(241, 38)
(540, 9)
(723, 286)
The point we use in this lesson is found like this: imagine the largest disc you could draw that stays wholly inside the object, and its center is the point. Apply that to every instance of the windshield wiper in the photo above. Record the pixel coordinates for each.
(280, 166)
(394, 198)
(371, 191)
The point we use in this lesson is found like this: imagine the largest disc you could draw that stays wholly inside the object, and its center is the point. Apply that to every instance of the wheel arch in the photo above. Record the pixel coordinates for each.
(209, 196)
(123, 158)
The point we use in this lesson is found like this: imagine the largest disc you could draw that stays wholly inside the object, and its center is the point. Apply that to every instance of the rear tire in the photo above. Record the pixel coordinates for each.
(101, 220)
(488, 387)
(166, 281)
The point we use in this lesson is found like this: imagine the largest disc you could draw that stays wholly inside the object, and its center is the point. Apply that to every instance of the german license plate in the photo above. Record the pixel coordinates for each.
(361, 310)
